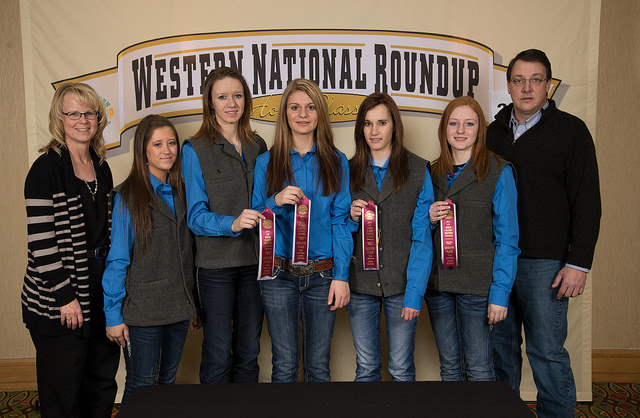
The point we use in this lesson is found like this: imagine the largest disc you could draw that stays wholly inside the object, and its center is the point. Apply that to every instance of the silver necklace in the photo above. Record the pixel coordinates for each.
(95, 190)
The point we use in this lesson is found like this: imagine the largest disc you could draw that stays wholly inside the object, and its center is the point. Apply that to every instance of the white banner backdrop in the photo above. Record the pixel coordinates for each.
(422, 72)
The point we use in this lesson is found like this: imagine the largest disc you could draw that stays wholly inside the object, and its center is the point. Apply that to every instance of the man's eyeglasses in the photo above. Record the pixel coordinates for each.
(533, 81)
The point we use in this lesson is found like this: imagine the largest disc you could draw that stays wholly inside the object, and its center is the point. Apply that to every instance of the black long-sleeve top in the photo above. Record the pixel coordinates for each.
(558, 188)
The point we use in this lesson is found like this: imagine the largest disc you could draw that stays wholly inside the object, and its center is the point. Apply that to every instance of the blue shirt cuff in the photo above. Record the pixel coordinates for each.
(352, 225)
(225, 226)
(113, 318)
(499, 296)
(412, 301)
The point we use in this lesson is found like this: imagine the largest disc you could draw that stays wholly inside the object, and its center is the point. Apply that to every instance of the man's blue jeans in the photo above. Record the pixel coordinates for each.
(462, 334)
(231, 323)
(364, 316)
(290, 301)
(155, 355)
(534, 305)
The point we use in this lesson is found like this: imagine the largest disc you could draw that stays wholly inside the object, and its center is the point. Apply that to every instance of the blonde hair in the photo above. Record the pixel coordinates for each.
(279, 172)
(85, 95)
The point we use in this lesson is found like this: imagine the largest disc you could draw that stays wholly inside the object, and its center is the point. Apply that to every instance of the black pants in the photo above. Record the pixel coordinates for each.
(76, 375)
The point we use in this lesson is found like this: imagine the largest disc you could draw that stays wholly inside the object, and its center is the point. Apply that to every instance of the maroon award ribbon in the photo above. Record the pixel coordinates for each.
(449, 237)
(370, 259)
(301, 232)
(267, 245)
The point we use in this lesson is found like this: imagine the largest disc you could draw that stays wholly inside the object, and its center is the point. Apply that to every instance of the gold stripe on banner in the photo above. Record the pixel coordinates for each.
(416, 96)
(176, 101)
(86, 77)
(440, 51)
(186, 51)
(315, 44)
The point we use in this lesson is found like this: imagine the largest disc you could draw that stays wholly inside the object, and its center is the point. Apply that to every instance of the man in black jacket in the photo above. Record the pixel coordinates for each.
(559, 216)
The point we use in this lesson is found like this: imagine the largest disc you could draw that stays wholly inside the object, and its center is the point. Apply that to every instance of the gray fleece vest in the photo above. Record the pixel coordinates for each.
(229, 182)
(159, 281)
(473, 200)
(395, 212)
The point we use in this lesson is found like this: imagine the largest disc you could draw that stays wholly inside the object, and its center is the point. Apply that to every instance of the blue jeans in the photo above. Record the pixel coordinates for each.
(289, 301)
(231, 322)
(533, 304)
(155, 355)
(463, 335)
(364, 316)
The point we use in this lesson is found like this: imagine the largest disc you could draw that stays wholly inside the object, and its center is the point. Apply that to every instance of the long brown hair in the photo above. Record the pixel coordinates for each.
(210, 127)
(279, 171)
(399, 159)
(136, 189)
(87, 96)
(443, 165)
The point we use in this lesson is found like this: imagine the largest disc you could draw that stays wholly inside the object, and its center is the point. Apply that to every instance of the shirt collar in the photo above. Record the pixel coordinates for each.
(457, 169)
(385, 165)
(532, 120)
(311, 151)
(158, 186)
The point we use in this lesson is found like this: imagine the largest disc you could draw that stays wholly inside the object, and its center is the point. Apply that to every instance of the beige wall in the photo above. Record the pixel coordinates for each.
(614, 291)
(14, 163)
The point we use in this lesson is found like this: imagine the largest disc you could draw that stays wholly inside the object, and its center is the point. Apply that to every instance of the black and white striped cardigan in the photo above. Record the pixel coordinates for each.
(57, 265)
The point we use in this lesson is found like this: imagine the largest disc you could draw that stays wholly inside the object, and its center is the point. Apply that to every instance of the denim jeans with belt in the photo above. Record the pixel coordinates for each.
(462, 334)
(155, 355)
(364, 316)
(534, 306)
(292, 301)
(231, 322)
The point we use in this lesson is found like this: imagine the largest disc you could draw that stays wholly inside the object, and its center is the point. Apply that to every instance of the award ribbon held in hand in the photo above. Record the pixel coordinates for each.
(449, 237)
(267, 245)
(370, 259)
(301, 232)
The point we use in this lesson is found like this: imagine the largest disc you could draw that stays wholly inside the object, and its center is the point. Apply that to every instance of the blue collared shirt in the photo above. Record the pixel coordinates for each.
(379, 171)
(506, 235)
(328, 233)
(200, 219)
(520, 128)
(119, 258)
(421, 253)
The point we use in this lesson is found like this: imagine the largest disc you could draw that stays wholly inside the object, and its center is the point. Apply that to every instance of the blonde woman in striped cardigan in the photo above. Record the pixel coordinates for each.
(66, 194)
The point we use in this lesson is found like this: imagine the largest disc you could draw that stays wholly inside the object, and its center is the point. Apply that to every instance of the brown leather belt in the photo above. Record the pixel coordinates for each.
(313, 266)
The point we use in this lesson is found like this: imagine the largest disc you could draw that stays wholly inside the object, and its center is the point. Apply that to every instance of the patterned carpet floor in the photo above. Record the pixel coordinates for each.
(609, 400)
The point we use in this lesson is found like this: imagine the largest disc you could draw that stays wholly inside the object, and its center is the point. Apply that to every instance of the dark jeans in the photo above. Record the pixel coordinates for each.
(534, 306)
(295, 304)
(155, 355)
(76, 375)
(463, 335)
(232, 323)
(364, 316)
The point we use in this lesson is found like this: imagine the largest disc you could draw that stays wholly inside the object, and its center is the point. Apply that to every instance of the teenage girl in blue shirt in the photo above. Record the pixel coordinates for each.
(305, 162)
(398, 182)
(465, 302)
(217, 165)
(148, 281)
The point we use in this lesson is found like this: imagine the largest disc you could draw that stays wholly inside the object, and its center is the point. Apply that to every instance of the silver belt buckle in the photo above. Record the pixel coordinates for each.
(302, 270)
